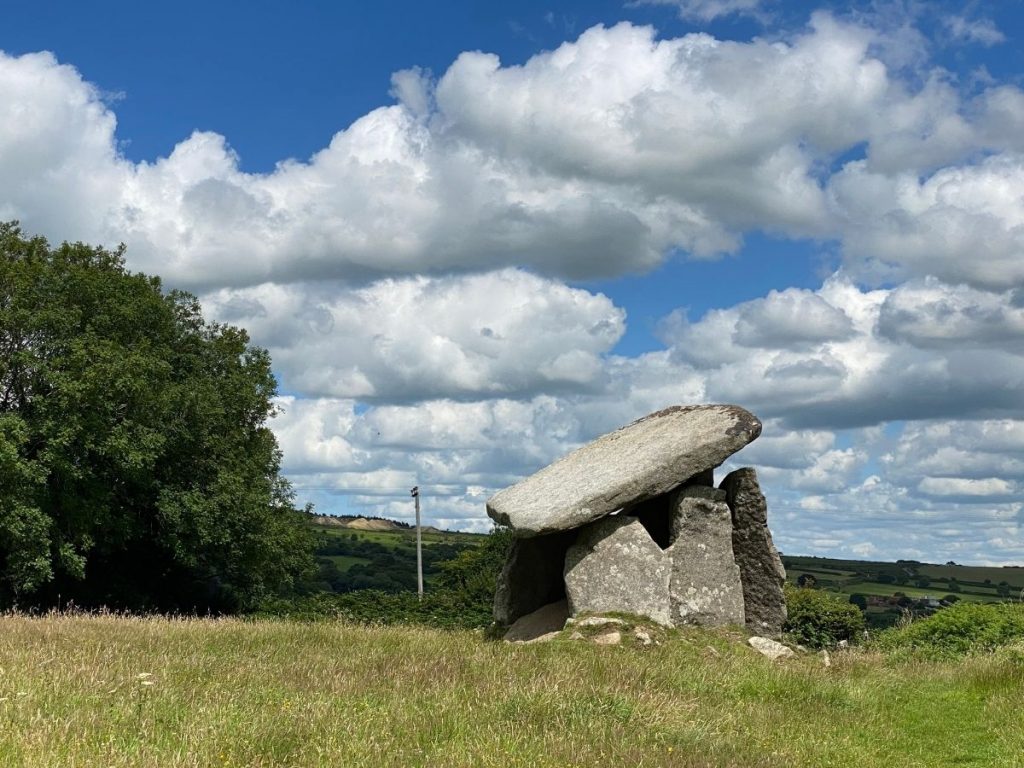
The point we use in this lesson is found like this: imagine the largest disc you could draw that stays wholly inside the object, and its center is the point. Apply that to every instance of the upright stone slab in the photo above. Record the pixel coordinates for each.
(615, 565)
(705, 588)
(650, 456)
(532, 576)
(656, 512)
(761, 569)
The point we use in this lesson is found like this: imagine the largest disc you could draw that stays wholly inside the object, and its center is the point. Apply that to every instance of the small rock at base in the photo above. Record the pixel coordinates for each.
(770, 648)
(609, 638)
(596, 621)
(543, 624)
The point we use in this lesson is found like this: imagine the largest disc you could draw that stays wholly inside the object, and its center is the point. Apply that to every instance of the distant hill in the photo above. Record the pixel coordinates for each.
(353, 522)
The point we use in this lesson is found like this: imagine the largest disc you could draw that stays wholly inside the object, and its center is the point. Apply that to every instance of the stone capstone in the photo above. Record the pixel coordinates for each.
(704, 588)
(761, 571)
(531, 577)
(615, 565)
(644, 459)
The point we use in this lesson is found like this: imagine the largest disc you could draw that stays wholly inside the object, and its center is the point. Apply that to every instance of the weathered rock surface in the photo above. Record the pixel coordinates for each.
(761, 571)
(543, 624)
(615, 565)
(656, 512)
(770, 648)
(646, 458)
(705, 587)
(532, 576)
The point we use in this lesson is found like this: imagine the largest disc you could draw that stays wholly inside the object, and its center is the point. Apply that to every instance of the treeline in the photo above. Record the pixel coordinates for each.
(136, 468)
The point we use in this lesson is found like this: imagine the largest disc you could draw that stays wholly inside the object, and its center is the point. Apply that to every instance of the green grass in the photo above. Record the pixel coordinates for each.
(230, 692)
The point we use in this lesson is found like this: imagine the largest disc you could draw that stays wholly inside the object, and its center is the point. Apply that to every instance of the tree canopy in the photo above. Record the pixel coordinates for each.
(136, 467)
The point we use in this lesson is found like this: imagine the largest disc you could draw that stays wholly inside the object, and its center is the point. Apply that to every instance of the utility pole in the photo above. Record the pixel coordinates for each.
(415, 492)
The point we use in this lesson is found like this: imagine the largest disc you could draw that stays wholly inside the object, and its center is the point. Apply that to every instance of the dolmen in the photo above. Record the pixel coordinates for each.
(633, 523)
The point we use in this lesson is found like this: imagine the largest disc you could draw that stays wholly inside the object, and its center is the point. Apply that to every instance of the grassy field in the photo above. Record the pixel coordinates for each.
(403, 538)
(870, 588)
(976, 583)
(107, 691)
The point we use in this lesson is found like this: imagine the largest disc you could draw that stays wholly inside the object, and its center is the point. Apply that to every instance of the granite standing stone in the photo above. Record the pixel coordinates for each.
(656, 512)
(648, 457)
(615, 565)
(705, 587)
(761, 569)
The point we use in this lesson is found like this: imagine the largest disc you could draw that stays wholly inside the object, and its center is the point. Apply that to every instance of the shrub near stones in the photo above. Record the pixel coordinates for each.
(820, 619)
(958, 630)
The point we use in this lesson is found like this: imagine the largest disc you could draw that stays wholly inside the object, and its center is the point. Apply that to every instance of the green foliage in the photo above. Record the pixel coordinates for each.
(136, 469)
(461, 597)
(473, 574)
(958, 630)
(818, 619)
(386, 567)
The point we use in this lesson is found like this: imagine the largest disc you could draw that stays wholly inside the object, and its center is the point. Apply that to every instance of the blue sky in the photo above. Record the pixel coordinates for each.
(476, 235)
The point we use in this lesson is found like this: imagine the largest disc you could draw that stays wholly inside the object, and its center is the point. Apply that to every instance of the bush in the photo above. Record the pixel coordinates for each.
(958, 630)
(819, 619)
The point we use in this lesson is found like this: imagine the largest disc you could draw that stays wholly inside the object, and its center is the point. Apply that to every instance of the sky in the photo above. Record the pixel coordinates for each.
(475, 236)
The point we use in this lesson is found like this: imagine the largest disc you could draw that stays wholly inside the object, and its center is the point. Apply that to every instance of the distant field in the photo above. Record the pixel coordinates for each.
(404, 538)
(867, 578)
(869, 588)
(118, 692)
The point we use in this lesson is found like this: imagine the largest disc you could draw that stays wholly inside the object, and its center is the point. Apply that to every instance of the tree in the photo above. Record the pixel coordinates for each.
(472, 575)
(136, 467)
(807, 580)
(859, 600)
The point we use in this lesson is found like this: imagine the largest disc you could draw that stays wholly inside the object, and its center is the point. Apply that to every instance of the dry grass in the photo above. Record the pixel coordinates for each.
(115, 691)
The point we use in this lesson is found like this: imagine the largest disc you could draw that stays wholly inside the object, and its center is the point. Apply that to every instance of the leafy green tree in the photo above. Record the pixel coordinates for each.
(136, 468)
(807, 580)
(472, 575)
